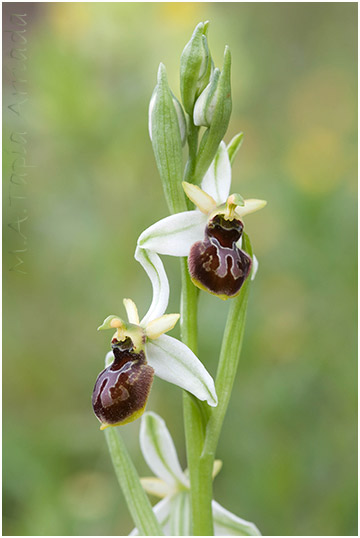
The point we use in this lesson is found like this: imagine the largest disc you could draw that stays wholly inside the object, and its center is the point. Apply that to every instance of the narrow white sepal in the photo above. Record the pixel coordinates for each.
(175, 234)
(131, 311)
(157, 487)
(161, 325)
(228, 524)
(159, 450)
(250, 206)
(217, 180)
(255, 267)
(174, 362)
(180, 517)
(200, 198)
(162, 512)
(153, 265)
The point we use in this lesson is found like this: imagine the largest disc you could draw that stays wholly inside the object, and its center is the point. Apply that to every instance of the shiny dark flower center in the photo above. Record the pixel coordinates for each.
(122, 389)
(216, 264)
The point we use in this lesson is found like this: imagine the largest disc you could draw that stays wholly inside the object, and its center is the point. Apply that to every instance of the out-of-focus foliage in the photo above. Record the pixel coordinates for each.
(289, 440)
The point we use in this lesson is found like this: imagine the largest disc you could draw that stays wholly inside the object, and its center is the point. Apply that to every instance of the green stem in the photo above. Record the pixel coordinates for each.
(135, 496)
(200, 469)
(227, 368)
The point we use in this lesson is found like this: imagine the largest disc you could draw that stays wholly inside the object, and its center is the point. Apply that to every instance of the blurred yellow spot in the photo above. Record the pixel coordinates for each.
(179, 12)
(70, 19)
(317, 161)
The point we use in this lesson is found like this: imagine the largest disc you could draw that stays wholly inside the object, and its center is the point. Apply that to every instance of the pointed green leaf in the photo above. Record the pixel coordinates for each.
(234, 146)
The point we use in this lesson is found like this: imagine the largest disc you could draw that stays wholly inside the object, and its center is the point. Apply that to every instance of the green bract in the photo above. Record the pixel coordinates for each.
(195, 67)
(213, 110)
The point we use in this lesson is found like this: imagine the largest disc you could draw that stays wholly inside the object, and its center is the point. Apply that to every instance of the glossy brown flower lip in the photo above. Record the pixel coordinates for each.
(122, 389)
(216, 264)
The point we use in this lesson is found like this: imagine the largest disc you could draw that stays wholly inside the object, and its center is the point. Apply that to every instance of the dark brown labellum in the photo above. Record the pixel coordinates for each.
(122, 389)
(216, 264)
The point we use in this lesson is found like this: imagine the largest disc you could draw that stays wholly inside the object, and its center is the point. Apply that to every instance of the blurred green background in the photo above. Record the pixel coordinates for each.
(289, 439)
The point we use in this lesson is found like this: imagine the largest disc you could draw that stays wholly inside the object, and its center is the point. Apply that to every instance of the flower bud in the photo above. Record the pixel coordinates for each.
(213, 109)
(205, 104)
(216, 264)
(195, 67)
(122, 389)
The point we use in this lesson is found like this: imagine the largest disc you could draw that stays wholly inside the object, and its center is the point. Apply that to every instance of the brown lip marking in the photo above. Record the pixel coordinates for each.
(122, 388)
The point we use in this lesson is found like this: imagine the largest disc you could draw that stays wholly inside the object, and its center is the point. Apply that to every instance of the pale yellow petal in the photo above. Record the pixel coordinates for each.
(157, 487)
(161, 325)
(216, 468)
(201, 199)
(132, 311)
(250, 206)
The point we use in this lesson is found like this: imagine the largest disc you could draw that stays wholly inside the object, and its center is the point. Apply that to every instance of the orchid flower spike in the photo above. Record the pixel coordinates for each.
(141, 349)
(172, 485)
(211, 234)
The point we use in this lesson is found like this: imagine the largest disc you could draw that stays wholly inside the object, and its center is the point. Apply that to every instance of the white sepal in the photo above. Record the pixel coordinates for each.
(162, 512)
(157, 487)
(174, 362)
(161, 325)
(180, 518)
(217, 179)
(255, 267)
(174, 235)
(153, 265)
(228, 524)
(250, 206)
(159, 450)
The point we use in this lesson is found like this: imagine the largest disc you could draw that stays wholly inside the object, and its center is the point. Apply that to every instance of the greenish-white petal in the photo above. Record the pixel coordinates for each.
(234, 146)
(161, 325)
(200, 198)
(162, 512)
(216, 468)
(174, 362)
(174, 235)
(228, 524)
(159, 450)
(217, 180)
(154, 267)
(180, 517)
(157, 487)
(255, 267)
(131, 311)
(250, 206)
